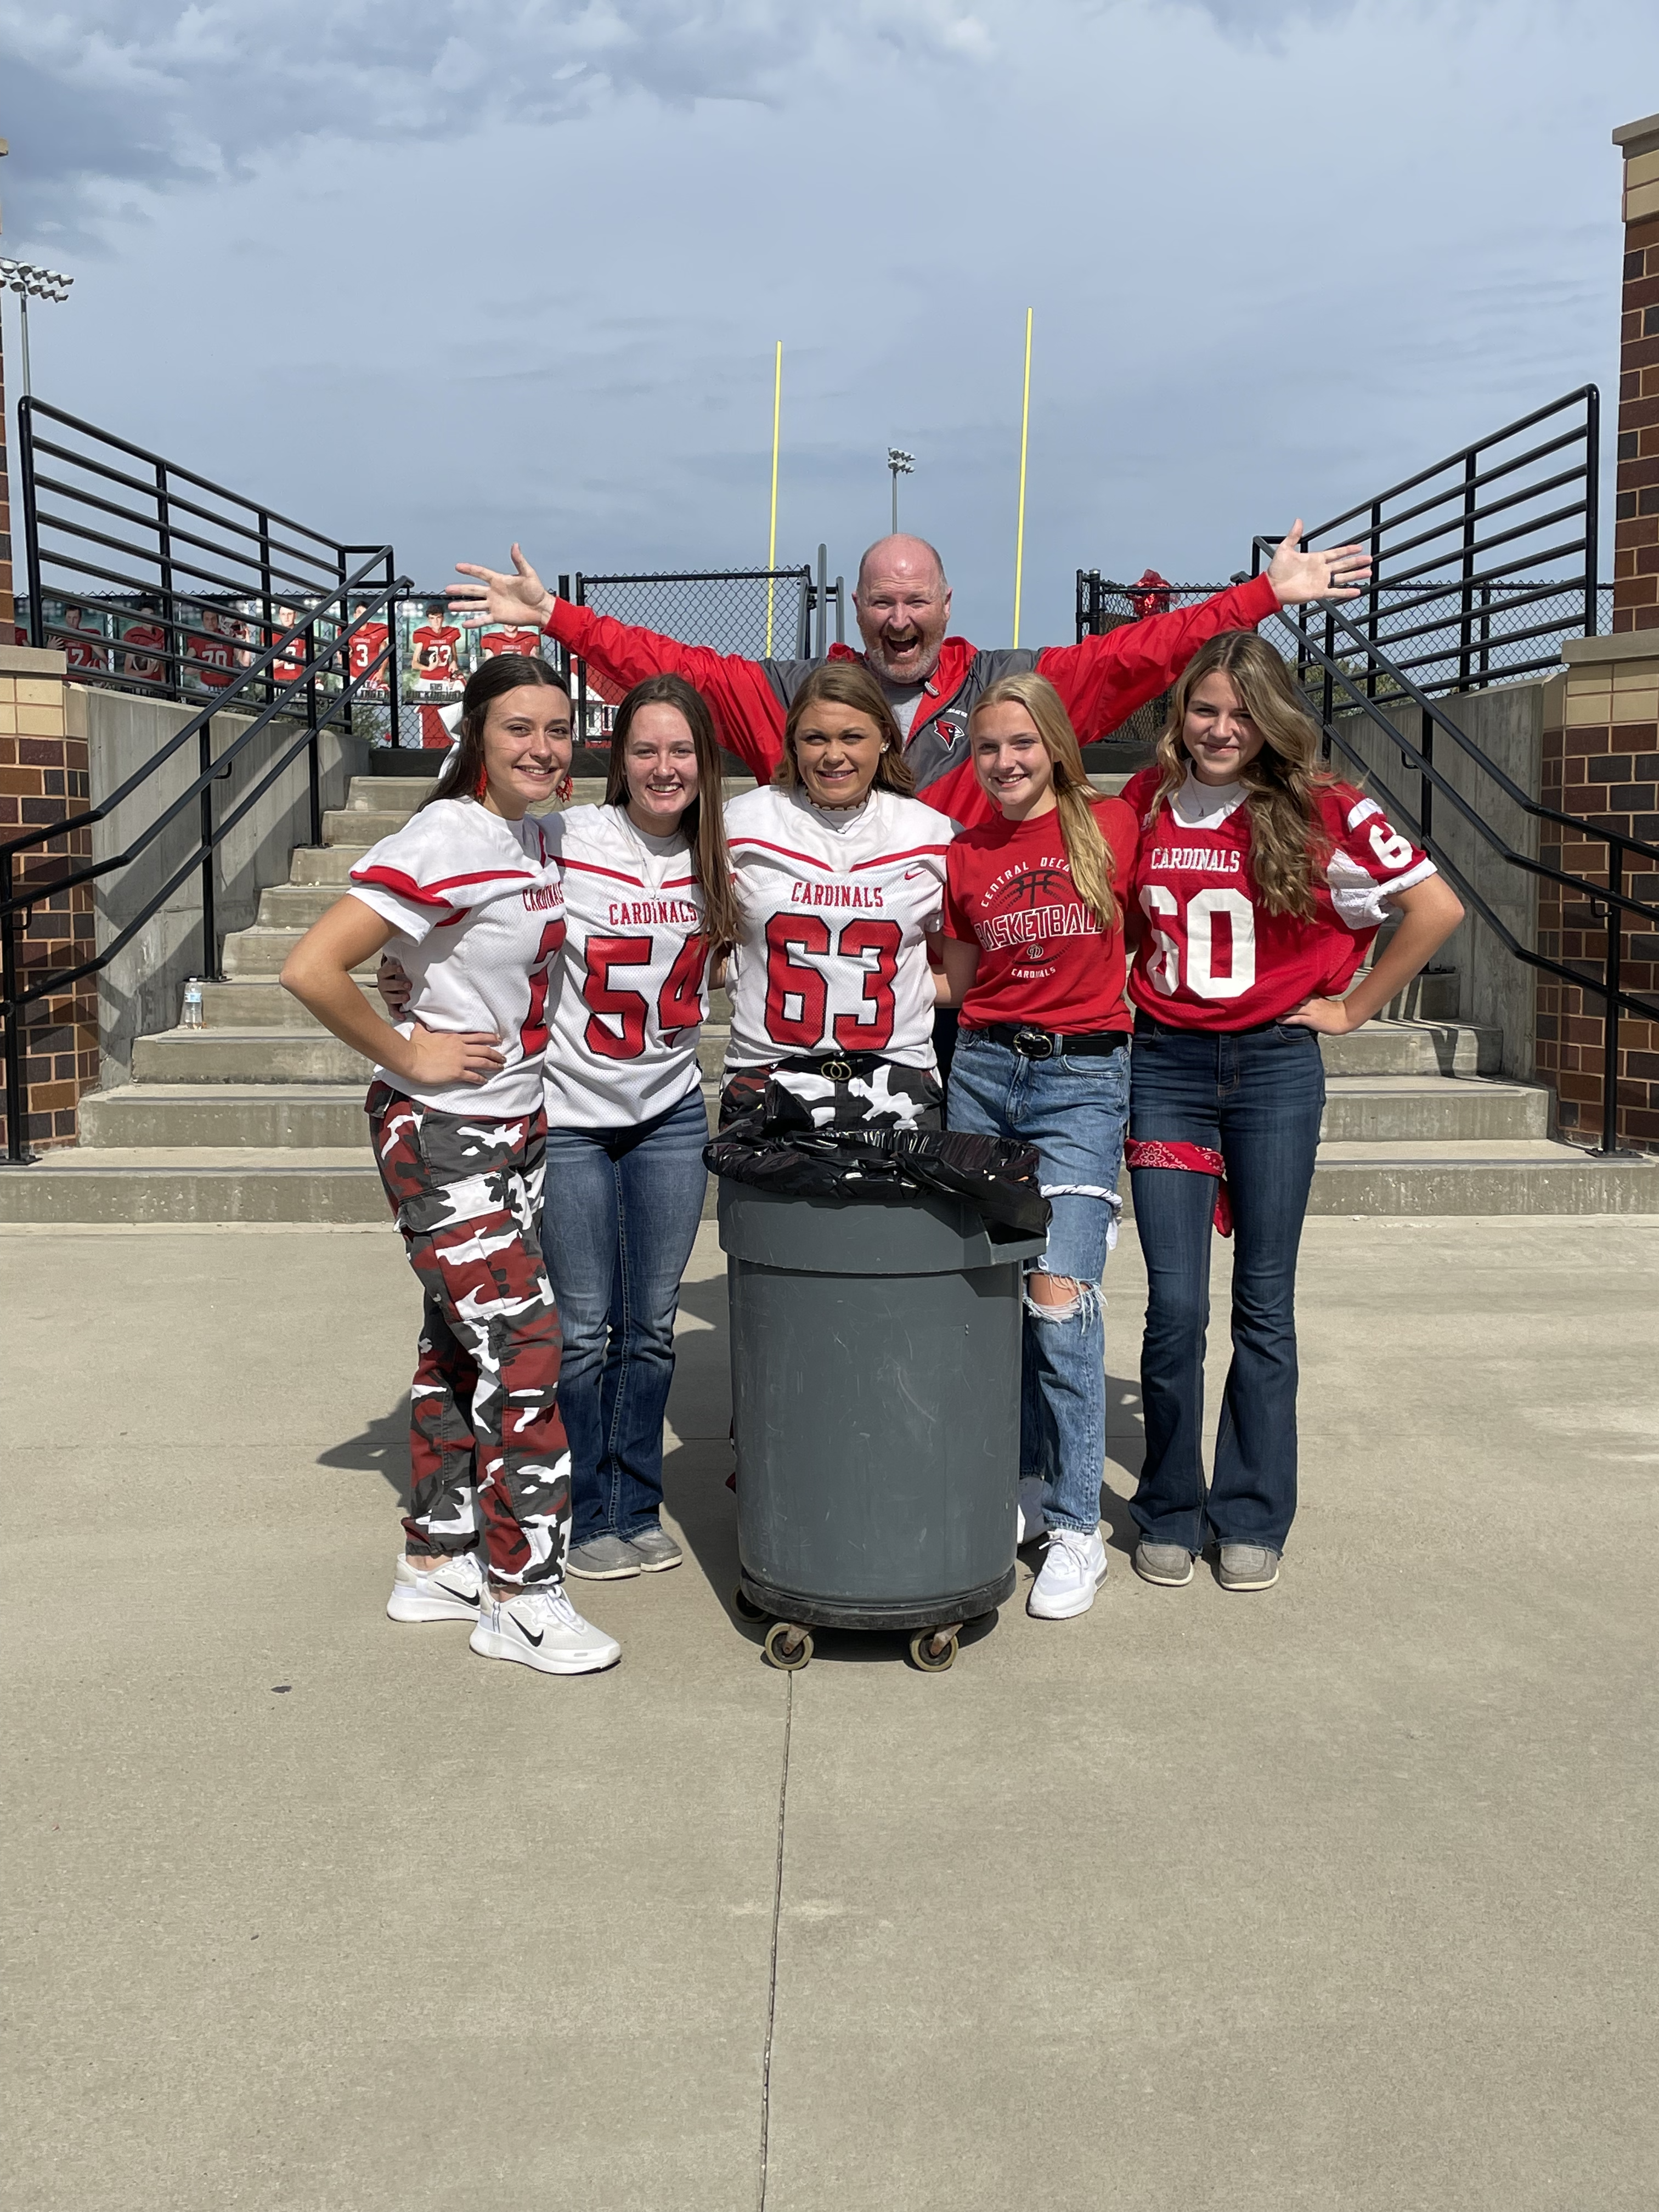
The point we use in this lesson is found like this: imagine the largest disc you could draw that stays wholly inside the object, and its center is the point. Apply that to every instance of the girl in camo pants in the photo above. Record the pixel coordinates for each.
(470, 894)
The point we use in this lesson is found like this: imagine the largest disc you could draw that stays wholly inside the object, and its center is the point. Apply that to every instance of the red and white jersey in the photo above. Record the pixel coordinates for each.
(479, 912)
(434, 647)
(367, 643)
(838, 909)
(631, 991)
(492, 641)
(214, 652)
(1211, 956)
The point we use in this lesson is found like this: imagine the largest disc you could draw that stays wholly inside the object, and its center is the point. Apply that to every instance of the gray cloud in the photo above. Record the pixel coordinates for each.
(114, 93)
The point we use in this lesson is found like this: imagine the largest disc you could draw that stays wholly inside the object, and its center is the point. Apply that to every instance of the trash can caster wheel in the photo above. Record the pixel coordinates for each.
(931, 1653)
(788, 1647)
(745, 1607)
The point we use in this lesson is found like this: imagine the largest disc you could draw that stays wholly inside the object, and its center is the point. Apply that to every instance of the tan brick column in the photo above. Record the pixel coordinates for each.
(1636, 506)
(44, 779)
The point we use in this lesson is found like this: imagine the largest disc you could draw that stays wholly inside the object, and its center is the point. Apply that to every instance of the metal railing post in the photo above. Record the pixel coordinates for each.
(563, 663)
(174, 663)
(1610, 1147)
(342, 663)
(823, 639)
(267, 629)
(1465, 619)
(1425, 780)
(394, 727)
(312, 764)
(841, 610)
(1328, 692)
(581, 671)
(18, 1154)
(1592, 507)
(31, 525)
(1374, 604)
(210, 906)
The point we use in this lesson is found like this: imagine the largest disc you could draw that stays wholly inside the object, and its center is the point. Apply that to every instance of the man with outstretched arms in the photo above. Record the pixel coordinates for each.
(903, 602)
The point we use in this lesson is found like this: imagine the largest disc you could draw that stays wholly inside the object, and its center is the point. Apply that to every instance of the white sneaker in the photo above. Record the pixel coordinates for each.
(1073, 1568)
(541, 1628)
(452, 1591)
(1029, 1514)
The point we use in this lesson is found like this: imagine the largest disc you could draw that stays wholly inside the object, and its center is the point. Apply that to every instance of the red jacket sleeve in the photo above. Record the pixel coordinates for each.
(748, 711)
(1103, 679)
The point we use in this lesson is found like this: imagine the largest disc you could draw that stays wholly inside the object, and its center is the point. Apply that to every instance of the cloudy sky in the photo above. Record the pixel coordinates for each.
(449, 271)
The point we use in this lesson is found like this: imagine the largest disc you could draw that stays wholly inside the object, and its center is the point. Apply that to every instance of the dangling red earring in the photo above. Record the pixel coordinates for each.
(483, 784)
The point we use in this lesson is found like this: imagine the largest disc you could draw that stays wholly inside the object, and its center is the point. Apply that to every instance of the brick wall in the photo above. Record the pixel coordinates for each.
(1636, 525)
(44, 779)
(8, 609)
(1602, 763)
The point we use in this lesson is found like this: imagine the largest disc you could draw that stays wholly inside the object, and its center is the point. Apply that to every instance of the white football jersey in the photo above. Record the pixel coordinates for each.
(838, 911)
(631, 989)
(479, 912)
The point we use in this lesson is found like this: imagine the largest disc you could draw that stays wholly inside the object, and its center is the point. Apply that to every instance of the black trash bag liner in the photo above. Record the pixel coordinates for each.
(997, 1176)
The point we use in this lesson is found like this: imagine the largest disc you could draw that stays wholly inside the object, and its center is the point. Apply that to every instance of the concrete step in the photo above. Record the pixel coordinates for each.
(1480, 1175)
(325, 864)
(246, 1056)
(257, 954)
(1431, 1110)
(1385, 1048)
(295, 906)
(146, 1184)
(360, 826)
(176, 1116)
(261, 1003)
(374, 794)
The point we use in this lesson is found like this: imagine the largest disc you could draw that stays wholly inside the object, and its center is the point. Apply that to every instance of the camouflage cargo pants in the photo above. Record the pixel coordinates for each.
(487, 1447)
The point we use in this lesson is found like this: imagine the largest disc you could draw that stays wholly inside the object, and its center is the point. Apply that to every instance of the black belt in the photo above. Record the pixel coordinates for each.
(1049, 1044)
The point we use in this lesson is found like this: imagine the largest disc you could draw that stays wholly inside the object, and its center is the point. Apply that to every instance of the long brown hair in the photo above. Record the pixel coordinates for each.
(463, 775)
(1287, 844)
(1088, 853)
(847, 683)
(704, 826)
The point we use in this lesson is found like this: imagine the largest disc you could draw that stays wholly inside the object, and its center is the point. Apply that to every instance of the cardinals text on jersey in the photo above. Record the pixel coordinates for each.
(834, 953)
(632, 990)
(1211, 957)
(480, 915)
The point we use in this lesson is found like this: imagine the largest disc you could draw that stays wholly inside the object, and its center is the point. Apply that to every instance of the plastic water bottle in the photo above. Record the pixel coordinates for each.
(193, 1002)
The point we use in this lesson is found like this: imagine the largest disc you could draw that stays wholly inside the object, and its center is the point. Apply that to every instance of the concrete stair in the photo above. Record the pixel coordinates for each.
(257, 1115)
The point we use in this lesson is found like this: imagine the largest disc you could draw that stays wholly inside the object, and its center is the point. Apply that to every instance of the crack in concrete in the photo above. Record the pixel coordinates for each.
(772, 1974)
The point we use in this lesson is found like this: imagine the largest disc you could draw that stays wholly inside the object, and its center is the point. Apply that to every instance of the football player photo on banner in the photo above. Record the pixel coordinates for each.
(79, 632)
(499, 640)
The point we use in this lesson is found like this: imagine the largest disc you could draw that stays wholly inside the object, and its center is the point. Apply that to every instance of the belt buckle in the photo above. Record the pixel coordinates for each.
(1034, 1044)
(835, 1071)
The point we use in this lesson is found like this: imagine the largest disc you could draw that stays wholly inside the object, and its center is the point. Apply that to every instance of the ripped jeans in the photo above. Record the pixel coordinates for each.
(1073, 1112)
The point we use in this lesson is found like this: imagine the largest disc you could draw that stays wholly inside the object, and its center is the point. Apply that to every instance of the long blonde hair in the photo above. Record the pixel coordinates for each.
(1088, 854)
(1287, 844)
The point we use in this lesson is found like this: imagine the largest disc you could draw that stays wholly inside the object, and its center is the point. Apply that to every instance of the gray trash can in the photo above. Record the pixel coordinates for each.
(875, 1394)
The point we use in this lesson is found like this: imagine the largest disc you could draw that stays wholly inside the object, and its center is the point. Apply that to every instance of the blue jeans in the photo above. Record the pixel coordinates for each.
(1073, 1111)
(1256, 1097)
(620, 1210)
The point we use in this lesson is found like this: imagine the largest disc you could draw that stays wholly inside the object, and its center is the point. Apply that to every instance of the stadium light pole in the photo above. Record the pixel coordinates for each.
(30, 282)
(901, 465)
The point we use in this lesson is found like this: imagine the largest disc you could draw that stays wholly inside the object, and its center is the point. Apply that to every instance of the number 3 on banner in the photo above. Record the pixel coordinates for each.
(1164, 966)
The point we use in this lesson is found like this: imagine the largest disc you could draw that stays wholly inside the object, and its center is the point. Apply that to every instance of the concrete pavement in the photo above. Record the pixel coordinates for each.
(1338, 1897)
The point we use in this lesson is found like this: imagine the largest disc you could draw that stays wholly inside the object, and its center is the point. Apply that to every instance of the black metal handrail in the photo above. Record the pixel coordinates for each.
(359, 598)
(116, 535)
(1608, 902)
(1474, 643)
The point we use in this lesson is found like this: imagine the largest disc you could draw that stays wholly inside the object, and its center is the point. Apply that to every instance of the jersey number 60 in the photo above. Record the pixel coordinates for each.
(1163, 964)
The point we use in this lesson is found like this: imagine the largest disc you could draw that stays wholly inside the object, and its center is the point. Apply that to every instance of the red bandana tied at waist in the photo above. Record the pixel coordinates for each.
(1197, 1159)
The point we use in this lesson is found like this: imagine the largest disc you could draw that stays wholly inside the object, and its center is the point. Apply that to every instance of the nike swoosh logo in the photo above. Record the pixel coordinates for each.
(524, 1632)
(464, 1596)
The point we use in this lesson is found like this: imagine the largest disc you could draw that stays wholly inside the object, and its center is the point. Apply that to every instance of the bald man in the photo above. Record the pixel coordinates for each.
(902, 602)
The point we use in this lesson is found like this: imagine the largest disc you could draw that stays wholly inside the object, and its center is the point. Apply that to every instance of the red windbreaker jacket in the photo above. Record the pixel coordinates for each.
(1102, 681)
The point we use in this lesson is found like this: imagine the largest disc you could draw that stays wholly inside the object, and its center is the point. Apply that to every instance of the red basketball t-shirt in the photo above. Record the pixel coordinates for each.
(1211, 956)
(1043, 957)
